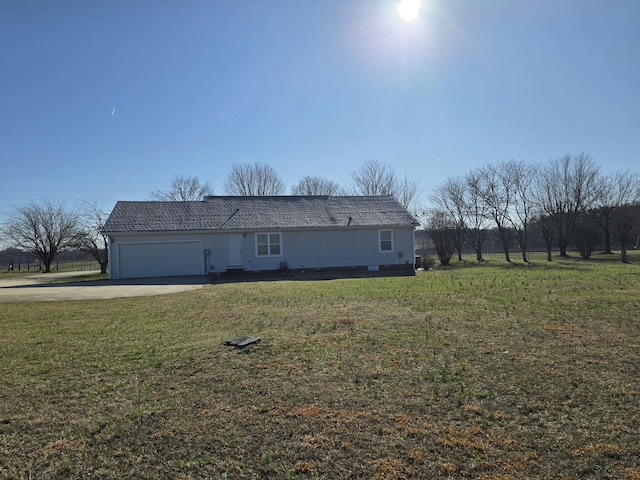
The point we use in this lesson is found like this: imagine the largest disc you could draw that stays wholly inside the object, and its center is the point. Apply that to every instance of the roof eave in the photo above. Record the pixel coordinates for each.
(263, 229)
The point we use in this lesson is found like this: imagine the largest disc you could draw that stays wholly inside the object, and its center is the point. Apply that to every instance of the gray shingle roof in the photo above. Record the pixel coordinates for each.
(257, 213)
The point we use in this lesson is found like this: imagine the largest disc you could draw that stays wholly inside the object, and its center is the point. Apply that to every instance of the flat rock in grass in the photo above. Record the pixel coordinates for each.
(243, 341)
(235, 341)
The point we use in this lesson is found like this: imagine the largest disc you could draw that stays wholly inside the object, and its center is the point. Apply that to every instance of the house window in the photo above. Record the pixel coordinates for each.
(269, 244)
(386, 240)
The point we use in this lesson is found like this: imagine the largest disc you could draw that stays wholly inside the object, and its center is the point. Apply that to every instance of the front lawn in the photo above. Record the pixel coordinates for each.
(493, 370)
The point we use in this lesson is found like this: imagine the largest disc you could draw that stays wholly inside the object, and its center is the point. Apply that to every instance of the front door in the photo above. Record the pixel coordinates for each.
(234, 250)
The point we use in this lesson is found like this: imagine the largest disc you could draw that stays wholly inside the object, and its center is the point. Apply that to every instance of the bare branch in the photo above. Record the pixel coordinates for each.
(258, 179)
(315, 186)
(183, 189)
(90, 238)
(376, 178)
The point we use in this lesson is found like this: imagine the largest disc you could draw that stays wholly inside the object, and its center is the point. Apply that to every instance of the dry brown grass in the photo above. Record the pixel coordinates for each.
(494, 372)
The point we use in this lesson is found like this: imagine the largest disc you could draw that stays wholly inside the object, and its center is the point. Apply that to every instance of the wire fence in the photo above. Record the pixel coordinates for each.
(56, 266)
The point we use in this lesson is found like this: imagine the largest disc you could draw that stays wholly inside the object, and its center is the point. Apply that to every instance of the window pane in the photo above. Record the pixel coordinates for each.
(386, 241)
(269, 244)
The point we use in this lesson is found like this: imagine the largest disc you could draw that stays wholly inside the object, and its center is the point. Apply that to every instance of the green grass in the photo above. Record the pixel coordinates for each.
(492, 371)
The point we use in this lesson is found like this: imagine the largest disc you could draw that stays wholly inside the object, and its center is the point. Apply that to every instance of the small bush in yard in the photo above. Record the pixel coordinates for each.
(427, 262)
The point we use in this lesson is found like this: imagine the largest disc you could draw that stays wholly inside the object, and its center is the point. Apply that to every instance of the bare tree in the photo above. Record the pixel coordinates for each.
(476, 212)
(249, 180)
(407, 192)
(374, 178)
(548, 233)
(587, 237)
(627, 227)
(565, 190)
(43, 229)
(441, 229)
(521, 176)
(450, 198)
(611, 193)
(495, 190)
(315, 186)
(90, 238)
(377, 178)
(183, 189)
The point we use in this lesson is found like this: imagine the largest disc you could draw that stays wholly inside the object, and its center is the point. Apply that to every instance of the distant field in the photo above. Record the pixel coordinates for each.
(492, 371)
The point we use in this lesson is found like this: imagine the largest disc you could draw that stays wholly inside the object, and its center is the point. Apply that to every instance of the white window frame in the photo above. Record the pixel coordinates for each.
(380, 249)
(269, 244)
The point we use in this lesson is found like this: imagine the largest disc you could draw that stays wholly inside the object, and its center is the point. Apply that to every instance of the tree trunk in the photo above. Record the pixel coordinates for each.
(547, 234)
(623, 252)
(505, 243)
(103, 267)
(607, 240)
(524, 243)
(507, 256)
(459, 243)
(459, 250)
(563, 249)
(476, 238)
(522, 237)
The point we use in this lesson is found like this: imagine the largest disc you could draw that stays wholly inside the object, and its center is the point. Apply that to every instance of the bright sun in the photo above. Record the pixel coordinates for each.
(409, 9)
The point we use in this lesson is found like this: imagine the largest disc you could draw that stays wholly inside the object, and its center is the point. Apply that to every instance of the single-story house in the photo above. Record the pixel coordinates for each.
(256, 234)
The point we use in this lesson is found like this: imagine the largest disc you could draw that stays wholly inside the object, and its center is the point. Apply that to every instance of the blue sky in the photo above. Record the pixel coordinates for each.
(111, 99)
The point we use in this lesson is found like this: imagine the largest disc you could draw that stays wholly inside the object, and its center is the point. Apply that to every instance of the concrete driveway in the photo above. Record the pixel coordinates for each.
(39, 287)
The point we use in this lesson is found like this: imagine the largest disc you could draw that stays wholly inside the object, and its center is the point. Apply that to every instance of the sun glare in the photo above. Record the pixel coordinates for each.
(409, 9)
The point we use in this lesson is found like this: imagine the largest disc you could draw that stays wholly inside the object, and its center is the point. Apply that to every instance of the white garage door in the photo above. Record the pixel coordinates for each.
(160, 259)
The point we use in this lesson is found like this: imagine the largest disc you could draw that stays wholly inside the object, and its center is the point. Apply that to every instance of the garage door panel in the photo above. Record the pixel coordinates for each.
(160, 259)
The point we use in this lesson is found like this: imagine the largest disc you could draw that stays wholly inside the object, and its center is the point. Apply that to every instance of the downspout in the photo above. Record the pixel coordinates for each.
(110, 257)
(413, 241)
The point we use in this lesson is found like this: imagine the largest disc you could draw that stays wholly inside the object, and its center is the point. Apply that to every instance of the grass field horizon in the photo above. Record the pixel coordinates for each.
(478, 370)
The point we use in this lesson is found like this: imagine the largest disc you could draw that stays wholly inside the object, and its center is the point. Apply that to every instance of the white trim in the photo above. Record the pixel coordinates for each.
(268, 234)
(380, 250)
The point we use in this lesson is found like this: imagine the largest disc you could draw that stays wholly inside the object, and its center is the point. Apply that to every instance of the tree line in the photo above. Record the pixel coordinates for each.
(567, 199)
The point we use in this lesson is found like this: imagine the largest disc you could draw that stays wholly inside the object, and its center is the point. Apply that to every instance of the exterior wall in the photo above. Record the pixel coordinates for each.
(300, 249)
(340, 248)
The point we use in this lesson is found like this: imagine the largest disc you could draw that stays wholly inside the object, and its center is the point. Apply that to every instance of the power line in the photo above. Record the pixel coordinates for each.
(76, 189)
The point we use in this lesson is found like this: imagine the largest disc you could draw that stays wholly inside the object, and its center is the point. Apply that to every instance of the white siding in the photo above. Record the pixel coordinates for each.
(158, 254)
(314, 249)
